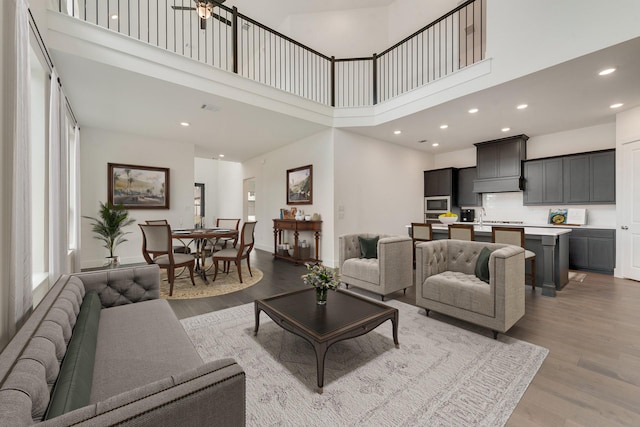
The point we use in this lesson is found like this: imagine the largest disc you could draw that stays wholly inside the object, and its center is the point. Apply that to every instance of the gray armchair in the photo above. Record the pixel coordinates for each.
(446, 282)
(391, 271)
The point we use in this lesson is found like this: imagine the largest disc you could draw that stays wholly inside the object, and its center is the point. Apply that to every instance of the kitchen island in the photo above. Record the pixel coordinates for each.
(551, 246)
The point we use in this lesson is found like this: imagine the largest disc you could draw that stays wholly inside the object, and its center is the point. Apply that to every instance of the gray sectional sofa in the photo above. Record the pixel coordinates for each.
(446, 282)
(103, 349)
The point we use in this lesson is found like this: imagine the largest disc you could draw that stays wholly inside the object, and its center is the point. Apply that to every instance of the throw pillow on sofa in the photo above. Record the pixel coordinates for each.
(482, 265)
(368, 246)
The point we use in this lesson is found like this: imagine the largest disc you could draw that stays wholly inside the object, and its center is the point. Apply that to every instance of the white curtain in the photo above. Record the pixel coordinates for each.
(19, 122)
(58, 175)
(76, 196)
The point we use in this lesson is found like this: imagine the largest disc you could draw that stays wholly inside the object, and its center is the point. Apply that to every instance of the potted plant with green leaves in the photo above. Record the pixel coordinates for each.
(108, 227)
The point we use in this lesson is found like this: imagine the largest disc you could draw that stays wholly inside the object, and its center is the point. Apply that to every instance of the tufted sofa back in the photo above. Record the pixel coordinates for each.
(30, 364)
(452, 255)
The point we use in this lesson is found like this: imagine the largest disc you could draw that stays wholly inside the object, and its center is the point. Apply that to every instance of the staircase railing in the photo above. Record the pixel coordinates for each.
(237, 43)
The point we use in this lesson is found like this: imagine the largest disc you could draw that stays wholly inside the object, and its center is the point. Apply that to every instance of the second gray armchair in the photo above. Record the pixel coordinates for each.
(388, 272)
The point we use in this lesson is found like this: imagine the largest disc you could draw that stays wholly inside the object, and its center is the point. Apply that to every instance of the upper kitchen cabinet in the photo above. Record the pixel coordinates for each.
(499, 164)
(587, 178)
(466, 196)
(602, 181)
(441, 182)
(543, 182)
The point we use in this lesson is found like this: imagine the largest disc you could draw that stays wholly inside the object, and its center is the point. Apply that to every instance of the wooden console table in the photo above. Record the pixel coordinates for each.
(281, 225)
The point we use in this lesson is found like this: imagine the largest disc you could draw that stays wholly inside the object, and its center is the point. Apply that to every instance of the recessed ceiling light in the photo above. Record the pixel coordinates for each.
(397, 132)
(473, 110)
(185, 124)
(617, 105)
(114, 16)
(435, 144)
(522, 106)
(444, 126)
(505, 129)
(221, 155)
(606, 71)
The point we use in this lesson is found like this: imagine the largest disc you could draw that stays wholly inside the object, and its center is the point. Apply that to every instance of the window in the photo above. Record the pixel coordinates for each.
(72, 189)
(39, 204)
(198, 204)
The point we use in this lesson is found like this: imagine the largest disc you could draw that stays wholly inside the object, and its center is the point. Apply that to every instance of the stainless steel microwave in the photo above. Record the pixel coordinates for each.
(437, 204)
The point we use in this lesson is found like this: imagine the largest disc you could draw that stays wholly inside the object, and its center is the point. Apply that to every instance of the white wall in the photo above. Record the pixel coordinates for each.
(379, 186)
(408, 16)
(99, 147)
(526, 36)
(223, 188)
(592, 138)
(270, 171)
(341, 33)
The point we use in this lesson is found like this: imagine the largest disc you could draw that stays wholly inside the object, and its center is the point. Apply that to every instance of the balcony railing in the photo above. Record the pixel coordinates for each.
(237, 43)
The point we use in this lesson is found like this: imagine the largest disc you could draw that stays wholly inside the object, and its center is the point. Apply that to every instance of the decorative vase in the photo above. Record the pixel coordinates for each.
(113, 261)
(321, 296)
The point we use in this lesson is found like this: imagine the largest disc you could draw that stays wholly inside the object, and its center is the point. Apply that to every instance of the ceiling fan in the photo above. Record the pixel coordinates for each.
(204, 9)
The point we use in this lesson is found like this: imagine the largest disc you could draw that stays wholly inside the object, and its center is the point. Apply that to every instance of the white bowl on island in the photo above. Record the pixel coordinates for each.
(448, 219)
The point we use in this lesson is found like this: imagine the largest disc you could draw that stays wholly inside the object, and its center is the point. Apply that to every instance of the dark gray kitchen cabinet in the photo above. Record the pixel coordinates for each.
(533, 182)
(577, 174)
(466, 196)
(587, 178)
(499, 164)
(543, 182)
(440, 182)
(592, 250)
(603, 177)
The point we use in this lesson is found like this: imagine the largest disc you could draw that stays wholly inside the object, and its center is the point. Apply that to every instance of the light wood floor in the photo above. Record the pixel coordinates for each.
(591, 376)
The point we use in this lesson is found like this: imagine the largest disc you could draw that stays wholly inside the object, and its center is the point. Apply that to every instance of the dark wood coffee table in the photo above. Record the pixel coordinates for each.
(345, 315)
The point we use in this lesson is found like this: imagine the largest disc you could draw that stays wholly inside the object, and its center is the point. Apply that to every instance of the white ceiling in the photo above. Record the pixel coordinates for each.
(564, 97)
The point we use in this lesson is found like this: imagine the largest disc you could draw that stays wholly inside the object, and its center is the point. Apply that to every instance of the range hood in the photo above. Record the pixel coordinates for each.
(499, 165)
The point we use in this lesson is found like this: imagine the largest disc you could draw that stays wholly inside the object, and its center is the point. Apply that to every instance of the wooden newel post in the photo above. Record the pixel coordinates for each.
(375, 78)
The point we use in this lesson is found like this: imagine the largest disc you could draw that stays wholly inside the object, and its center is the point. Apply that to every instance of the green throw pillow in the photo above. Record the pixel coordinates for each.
(369, 246)
(73, 386)
(482, 265)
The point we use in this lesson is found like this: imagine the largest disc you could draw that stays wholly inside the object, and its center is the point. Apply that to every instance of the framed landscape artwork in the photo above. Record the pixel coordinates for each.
(139, 187)
(300, 185)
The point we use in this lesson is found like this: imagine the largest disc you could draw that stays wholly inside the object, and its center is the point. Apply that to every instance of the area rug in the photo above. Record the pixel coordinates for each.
(576, 276)
(441, 375)
(224, 284)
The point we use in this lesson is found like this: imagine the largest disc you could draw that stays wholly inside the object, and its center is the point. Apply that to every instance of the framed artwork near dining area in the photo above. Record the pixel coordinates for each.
(138, 187)
(300, 186)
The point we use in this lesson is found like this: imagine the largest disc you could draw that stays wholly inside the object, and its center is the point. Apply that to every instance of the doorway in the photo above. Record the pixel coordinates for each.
(630, 227)
(249, 199)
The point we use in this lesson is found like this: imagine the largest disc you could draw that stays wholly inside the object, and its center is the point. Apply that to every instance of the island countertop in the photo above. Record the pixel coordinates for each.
(528, 231)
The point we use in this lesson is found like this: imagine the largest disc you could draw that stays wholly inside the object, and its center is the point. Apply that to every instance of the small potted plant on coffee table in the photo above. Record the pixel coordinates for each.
(322, 278)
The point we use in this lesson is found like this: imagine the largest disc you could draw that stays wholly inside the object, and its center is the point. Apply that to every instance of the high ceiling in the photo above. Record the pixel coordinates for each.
(567, 96)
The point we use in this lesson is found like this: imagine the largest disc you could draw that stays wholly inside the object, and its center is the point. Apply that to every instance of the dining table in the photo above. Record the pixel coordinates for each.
(198, 237)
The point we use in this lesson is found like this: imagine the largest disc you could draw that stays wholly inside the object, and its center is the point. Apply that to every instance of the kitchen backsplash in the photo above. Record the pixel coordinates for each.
(510, 207)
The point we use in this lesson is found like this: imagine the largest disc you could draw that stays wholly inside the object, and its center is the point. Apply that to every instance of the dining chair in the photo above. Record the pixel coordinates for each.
(461, 232)
(231, 224)
(515, 236)
(420, 232)
(177, 249)
(156, 249)
(238, 253)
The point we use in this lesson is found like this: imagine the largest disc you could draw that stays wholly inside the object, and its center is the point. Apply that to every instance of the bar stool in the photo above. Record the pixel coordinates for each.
(420, 232)
(515, 236)
(461, 232)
